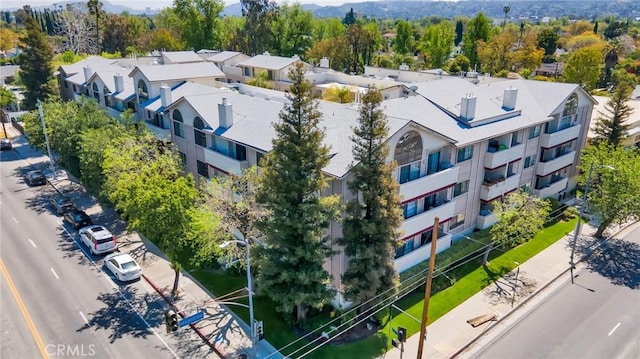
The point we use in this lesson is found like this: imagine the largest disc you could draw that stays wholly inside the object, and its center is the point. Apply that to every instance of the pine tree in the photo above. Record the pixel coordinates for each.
(611, 127)
(36, 72)
(370, 229)
(291, 261)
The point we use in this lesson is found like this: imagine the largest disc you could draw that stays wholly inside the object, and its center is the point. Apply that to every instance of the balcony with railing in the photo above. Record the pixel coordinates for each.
(551, 188)
(422, 253)
(555, 164)
(160, 133)
(446, 176)
(224, 162)
(499, 154)
(559, 136)
(496, 187)
(443, 210)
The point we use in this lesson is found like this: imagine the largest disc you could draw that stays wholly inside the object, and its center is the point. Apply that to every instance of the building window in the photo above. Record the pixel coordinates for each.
(178, 124)
(457, 221)
(461, 188)
(406, 248)
(465, 153)
(433, 162)
(241, 152)
(203, 169)
(410, 209)
(183, 158)
(534, 131)
(259, 158)
(247, 71)
(96, 93)
(571, 106)
(200, 138)
(143, 92)
(407, 154)
(529, 161)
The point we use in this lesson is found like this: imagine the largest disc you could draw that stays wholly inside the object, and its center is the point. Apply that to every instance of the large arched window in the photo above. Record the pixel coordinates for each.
(200, 137)
(143, 92)
(408, 154)
(178, 124)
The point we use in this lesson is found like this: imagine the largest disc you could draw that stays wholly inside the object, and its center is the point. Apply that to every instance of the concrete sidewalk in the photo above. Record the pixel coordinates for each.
(221, 333)
(508, 299)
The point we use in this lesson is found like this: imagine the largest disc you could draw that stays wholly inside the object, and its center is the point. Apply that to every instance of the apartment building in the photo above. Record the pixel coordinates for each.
(459, 146)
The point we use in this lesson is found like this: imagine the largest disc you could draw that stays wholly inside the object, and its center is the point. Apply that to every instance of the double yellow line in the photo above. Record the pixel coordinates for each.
(23, 309)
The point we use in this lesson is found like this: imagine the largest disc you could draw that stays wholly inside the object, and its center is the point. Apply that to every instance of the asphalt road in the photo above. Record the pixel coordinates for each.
(597, 317)
(56, 299)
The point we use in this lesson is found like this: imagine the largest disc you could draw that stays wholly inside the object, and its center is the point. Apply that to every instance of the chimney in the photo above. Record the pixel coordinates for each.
(468, 107)
(403, 67)
(87, 73)
(119, 80)
(324, 62)
(165, 95)
(509, 99)
(225, 114)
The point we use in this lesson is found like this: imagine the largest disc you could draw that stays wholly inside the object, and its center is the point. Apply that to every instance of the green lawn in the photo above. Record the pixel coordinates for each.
(468, 279)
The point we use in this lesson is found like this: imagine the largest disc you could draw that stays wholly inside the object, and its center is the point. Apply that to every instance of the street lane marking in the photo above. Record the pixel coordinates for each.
(54, 273)
(614, 329)
(32, 243)
(23, 309)
(84, 318)
(14, 219)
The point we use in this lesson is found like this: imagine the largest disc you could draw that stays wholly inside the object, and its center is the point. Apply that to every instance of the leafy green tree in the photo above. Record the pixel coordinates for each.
(291, 29)
(373, 217)
(477, 29)
(614, 184)
(160, 39)
(259, 15)
(36, 71)
(548, 40)
(583, 67)
(261, 79)
(437, 43)
(336, 49)
(291, 184)
(520, 216)
(404, 42)
(457, 64)
(611, 125)
(201, 25)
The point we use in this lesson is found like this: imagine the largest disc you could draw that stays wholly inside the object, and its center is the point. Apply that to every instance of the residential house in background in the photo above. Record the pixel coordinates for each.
(276, 67)
(227, 61)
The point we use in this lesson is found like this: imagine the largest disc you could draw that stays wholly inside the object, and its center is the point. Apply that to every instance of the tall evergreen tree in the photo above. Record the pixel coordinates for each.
(611, 126)
(36, 72)
(373, 217)
(291, 261)
(459, 28)
(259, 15)
(95, 8)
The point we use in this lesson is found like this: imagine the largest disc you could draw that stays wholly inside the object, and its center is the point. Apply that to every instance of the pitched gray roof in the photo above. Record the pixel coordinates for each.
(177, 57)
(268, 62)
(181, 90)
(223, 56)
(94, 62)
(176, 72)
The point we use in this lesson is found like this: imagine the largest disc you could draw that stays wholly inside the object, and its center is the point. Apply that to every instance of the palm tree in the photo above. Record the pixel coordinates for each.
(506, 10)
(95, 8)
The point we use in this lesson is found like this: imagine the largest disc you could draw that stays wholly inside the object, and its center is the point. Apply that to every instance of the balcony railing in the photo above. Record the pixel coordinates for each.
(495, 189)
(425, 219)
(552, 188)
(486, 219)
(421, 254)
(504, 156)
(160, 133)
(430, 183)
(545, 168)
(224, 162)
(548, 140)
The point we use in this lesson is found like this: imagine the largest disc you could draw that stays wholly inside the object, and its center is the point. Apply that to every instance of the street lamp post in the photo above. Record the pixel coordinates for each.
(515, 285)
(245, 243)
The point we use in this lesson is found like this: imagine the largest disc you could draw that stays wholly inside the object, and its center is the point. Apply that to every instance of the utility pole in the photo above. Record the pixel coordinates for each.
(580, 214)
(46, 138)
(427, 290)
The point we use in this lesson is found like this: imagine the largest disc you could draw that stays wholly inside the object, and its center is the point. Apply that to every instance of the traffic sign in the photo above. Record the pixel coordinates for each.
(193, 318)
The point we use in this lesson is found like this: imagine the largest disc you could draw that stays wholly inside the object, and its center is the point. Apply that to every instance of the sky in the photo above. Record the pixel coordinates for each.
(153, 4)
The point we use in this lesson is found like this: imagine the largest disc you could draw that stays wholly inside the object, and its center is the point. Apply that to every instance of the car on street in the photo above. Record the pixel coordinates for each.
(77, 219)
(123, 266)
(61, 204)
(35, 178)
(98, 239)
(5, 144)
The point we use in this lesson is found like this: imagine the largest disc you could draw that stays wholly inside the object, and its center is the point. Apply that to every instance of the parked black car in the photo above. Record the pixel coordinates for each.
(61, 204)
(35, 178)
(5, 145)
(77, 219)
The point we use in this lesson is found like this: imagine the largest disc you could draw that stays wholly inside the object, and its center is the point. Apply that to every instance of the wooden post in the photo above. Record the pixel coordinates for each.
(427, 290)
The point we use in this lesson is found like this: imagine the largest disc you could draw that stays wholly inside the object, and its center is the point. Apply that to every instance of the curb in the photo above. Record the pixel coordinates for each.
(534, 294)
(179, 311)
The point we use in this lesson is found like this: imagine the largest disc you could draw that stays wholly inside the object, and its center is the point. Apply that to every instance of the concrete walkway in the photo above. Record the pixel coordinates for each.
(508, 299)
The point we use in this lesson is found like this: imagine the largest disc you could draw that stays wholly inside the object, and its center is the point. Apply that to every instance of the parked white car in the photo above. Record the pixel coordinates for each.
(98, 239)
(123, 266)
